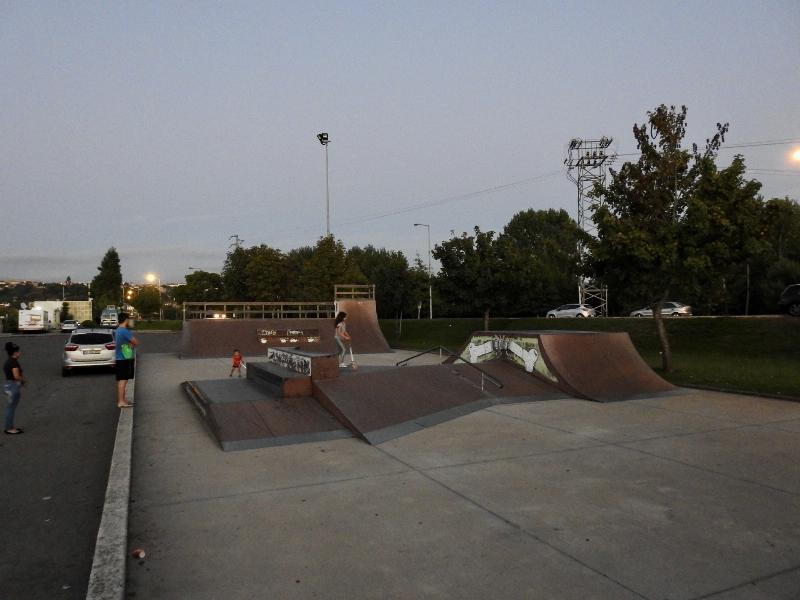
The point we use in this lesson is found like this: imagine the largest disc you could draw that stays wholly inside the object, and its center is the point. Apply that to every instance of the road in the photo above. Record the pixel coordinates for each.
(54, 475)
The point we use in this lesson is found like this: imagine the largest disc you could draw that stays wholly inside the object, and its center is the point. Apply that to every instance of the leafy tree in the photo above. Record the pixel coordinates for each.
(107, 284)
(201, 286)
(234, 275)
(472, 276)
(541, 249)
(389, 271)
(641, 224)
(65, 314)
(783, 228)
(327, 266)
(295, 263)
(147, 300)
(266, 274)
(721, 233)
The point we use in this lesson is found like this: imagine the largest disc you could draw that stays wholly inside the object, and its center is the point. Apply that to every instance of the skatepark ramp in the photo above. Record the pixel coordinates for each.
(358, 301)
(214, 329)
(300, 396)
(600, 366)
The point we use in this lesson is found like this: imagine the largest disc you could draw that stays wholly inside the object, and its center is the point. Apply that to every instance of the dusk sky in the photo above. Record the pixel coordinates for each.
(164, 128)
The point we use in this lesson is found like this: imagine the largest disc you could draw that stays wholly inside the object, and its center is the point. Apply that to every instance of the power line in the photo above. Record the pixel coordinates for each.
(774, 171)
(432, 203)
(741, 145)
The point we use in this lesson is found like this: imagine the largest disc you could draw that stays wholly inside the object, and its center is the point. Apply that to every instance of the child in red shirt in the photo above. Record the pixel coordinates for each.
(237, 363)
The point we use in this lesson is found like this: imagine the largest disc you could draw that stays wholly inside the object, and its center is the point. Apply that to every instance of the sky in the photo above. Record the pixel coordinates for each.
(164, 128)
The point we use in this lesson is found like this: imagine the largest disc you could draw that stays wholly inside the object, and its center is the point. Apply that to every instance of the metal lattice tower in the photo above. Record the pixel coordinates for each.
(586, 165)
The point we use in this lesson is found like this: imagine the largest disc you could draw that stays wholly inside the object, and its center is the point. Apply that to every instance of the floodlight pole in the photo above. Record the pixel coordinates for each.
(586, 165)
(430, 273)
(324, 139)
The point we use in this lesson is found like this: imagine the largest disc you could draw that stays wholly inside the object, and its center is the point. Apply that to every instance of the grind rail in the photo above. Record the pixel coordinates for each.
(440, 349)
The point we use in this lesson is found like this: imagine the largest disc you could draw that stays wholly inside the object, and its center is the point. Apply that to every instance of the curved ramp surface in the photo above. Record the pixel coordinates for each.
(219, 337)
(600, 366)
(362, 324)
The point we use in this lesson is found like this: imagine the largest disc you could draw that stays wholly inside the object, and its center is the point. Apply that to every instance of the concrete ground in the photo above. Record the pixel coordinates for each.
(690, 496)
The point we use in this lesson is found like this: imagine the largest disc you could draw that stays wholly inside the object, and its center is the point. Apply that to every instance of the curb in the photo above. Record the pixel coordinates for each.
(107, 578)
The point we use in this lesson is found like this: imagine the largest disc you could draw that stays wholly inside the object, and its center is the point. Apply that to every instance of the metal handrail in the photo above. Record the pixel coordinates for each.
(483, 373)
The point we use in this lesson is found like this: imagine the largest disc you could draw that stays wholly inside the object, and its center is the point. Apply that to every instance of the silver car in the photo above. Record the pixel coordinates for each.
(69, 325)
(668, 309)
(89, 348)
(571, 310)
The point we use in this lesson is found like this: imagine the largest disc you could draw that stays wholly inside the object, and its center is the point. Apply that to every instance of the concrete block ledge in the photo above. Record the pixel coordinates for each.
(107, 578)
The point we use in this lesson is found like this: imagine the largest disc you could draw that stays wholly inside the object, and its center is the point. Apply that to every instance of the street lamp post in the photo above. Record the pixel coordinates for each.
(430, 273)
(151, 278)
(325, 140)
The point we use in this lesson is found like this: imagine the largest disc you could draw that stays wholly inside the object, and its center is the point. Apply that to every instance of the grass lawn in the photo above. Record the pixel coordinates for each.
(760, 355)
(159, 325)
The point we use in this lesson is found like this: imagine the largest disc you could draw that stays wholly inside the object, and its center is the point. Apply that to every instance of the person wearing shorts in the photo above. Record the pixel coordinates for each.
(125, 354)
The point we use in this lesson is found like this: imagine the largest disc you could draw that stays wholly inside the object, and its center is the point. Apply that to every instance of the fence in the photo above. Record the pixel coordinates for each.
(349, 291)
(258, 310)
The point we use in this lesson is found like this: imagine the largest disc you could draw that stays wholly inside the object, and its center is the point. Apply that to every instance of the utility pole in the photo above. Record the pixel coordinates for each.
(237, 242)
(586, 165)
(430, 273)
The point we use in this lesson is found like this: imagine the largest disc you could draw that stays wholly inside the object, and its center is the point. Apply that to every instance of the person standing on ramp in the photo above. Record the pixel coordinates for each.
(342, 336)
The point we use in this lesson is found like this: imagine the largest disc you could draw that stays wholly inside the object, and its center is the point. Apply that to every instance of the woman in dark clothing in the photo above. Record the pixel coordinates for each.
(13, 386)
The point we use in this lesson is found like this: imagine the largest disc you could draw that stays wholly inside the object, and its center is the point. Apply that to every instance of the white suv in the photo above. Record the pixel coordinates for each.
(89, 348)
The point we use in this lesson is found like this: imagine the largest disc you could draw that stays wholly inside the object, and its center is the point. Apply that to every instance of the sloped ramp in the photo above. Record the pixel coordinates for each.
(601, 366)
(362, 324)
(219, 337)
(386, 404)
(243, 415)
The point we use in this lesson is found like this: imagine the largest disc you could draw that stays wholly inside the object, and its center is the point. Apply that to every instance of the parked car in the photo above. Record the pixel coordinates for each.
(571, 310)
(790, 300)
(69, 325)
(89, 348)
(668, 309)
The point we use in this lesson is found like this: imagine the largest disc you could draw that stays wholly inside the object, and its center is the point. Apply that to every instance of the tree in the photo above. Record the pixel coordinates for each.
(65, 314)
(147, 300)
(234, 276)
(472, 274)
(389, 271)
(642, 222)
(266, 274)
(107, 284)
(327, 266)
(201, 286)
(721, 233)
(540, 247)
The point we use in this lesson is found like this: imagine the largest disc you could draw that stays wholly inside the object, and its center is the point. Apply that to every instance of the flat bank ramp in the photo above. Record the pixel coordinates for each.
(362, 325)
(600, 366)
(243, 415)
(382, 405)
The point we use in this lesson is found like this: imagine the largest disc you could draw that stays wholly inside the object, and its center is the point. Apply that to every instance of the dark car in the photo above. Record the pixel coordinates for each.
(790, 300)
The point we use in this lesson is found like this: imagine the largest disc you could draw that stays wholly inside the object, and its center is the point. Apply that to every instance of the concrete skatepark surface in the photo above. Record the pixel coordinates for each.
(691, 495)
